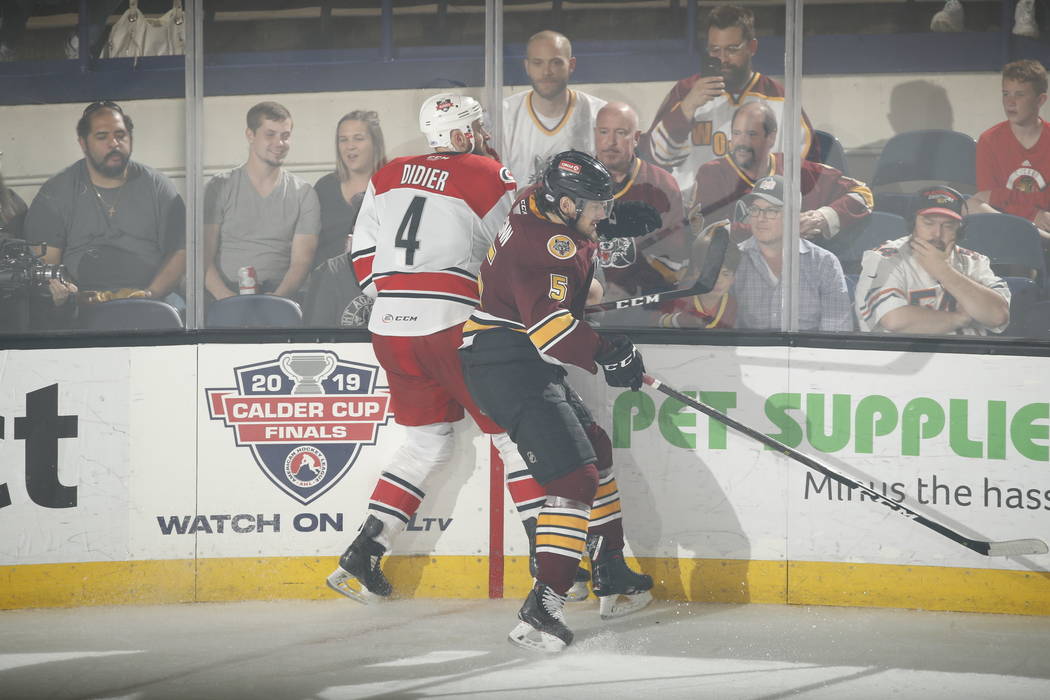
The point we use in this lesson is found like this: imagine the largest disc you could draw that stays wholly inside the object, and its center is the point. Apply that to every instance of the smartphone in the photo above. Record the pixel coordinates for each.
(710, 66)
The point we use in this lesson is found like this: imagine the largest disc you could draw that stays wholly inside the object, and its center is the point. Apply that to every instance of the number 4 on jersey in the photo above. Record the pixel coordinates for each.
(406, 232)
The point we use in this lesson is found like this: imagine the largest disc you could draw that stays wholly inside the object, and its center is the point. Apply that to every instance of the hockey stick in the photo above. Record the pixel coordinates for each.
(1008, 548)
(705, 281)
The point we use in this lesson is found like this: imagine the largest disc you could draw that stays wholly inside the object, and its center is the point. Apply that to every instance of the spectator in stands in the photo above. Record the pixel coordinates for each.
(12, 210)
(715, 309)
(693, 124)
(831, 201)
(824, 303)
(359, 152)
(261, 215)
(1013, 157)
(549, 118)
(951, 18)
(656, 260)
(925, 283)
(116, 224)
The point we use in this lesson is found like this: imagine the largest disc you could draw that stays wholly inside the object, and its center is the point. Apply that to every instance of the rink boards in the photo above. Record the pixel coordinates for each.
(229, 472)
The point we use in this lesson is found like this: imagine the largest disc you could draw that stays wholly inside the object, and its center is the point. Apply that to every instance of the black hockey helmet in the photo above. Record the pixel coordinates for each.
(578, 176)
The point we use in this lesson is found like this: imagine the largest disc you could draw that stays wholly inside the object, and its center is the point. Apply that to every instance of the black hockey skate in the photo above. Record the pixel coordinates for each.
(620, 591)
(542, 625)
(578, 591)
(360, 561)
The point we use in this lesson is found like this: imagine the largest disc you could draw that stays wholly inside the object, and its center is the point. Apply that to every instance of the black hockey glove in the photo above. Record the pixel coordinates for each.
(629, 220)
(622, 363)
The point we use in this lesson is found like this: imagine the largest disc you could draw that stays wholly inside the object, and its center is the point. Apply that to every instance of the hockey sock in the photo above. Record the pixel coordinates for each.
(394, 501)
(525, 491)
(561, 527)
(606, 519)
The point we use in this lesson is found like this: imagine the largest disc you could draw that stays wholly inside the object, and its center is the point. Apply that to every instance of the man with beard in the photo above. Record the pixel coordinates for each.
(926, 283)
(550, 117)
(831, 201)
(115, 224)
(261, 215)
(653, 261)
(692, 125)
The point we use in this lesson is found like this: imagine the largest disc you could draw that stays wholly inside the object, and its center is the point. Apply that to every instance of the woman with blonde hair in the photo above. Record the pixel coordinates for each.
(359, 153)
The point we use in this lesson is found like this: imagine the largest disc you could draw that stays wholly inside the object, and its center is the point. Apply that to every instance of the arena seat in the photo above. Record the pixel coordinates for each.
(253, 311)
(1012, 244)
(928, 155)
(831, 151)
(130, 315)
(875, 230)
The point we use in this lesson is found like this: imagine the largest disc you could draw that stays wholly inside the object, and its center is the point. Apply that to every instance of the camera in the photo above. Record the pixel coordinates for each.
(24, 273)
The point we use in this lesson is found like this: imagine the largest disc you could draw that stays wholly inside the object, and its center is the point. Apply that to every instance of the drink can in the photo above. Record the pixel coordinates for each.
(246, 280)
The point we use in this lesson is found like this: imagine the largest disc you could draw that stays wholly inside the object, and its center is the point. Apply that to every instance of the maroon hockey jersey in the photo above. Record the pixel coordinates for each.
(534, 281)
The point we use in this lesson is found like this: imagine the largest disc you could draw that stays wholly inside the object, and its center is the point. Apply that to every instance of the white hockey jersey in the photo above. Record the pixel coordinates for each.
(425, 225)
(528, 144)
(890, 278)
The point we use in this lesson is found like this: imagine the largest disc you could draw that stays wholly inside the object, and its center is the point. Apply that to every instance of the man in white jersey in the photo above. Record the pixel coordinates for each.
(926, 283)
(693, 125)
(549, 118)
(425, 225)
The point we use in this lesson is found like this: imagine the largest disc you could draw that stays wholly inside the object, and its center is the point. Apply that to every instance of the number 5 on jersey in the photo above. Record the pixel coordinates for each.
(406, 232)
(559, 287)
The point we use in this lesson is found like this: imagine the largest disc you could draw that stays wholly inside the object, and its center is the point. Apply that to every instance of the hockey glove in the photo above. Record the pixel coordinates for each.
(622, 363)
(630, 220)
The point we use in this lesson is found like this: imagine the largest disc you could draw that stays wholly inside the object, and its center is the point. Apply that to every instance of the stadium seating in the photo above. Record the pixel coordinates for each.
(129, 315)
(253, 311)
(928, 155)
(1012, 244)
(875, 230)
(831, 151)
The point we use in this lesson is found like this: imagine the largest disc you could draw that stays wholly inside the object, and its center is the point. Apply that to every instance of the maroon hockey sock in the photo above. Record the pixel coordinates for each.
(561, 527)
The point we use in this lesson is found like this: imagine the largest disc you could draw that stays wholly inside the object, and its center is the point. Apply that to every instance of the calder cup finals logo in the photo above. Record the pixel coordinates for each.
(305, 417)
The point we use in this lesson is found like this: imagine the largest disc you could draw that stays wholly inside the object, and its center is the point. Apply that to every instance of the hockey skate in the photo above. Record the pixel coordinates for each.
(579, 590)
(542, 625)
(949, 19)
(360, 562)
(620, 591)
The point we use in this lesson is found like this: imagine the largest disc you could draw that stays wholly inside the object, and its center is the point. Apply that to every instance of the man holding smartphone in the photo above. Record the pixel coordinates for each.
(693, 124)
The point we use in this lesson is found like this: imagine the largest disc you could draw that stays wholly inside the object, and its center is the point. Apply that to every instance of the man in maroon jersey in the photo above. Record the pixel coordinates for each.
(534, 283)
(831, 201)
(654, 261)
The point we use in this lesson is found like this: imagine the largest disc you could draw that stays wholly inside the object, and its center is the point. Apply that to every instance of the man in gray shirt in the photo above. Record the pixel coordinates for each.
(113, 222)
(823, 303)
(261, 215)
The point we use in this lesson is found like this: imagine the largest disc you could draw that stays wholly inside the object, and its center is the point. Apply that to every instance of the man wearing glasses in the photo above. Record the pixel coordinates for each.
(823, 298)
(693, 123)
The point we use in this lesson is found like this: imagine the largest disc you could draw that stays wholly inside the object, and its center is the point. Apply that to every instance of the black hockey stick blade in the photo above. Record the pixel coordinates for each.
(705, 281)
(1007, 548)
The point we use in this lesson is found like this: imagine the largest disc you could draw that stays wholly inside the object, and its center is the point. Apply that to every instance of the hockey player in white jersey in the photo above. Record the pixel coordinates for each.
(425, 225)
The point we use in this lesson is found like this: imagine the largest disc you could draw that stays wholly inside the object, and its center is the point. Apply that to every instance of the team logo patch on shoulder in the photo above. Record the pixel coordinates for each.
(561, 247)
(505, 175)
(569, 167)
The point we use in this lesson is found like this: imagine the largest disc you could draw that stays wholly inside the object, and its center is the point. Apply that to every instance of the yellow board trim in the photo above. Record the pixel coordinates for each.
(700, 580)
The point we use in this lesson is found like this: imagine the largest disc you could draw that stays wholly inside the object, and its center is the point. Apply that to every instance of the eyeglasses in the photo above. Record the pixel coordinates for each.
(727, 51)
(767, 213)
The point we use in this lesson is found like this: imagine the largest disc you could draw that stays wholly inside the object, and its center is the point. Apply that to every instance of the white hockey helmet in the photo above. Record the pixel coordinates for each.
(445, 112)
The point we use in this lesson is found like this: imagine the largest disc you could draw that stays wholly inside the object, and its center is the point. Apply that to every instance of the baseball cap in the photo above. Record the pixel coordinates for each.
(939, 200)
(769, 188)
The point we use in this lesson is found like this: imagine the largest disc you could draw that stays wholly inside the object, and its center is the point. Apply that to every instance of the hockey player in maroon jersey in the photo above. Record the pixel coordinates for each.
(534, 283)
(425, 224)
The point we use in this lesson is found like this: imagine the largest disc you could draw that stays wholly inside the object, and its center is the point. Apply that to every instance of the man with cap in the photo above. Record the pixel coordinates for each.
(823, 297)
(926, 283)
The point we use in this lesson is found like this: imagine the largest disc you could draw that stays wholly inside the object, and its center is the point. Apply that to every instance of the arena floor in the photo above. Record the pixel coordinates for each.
(338, 649)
